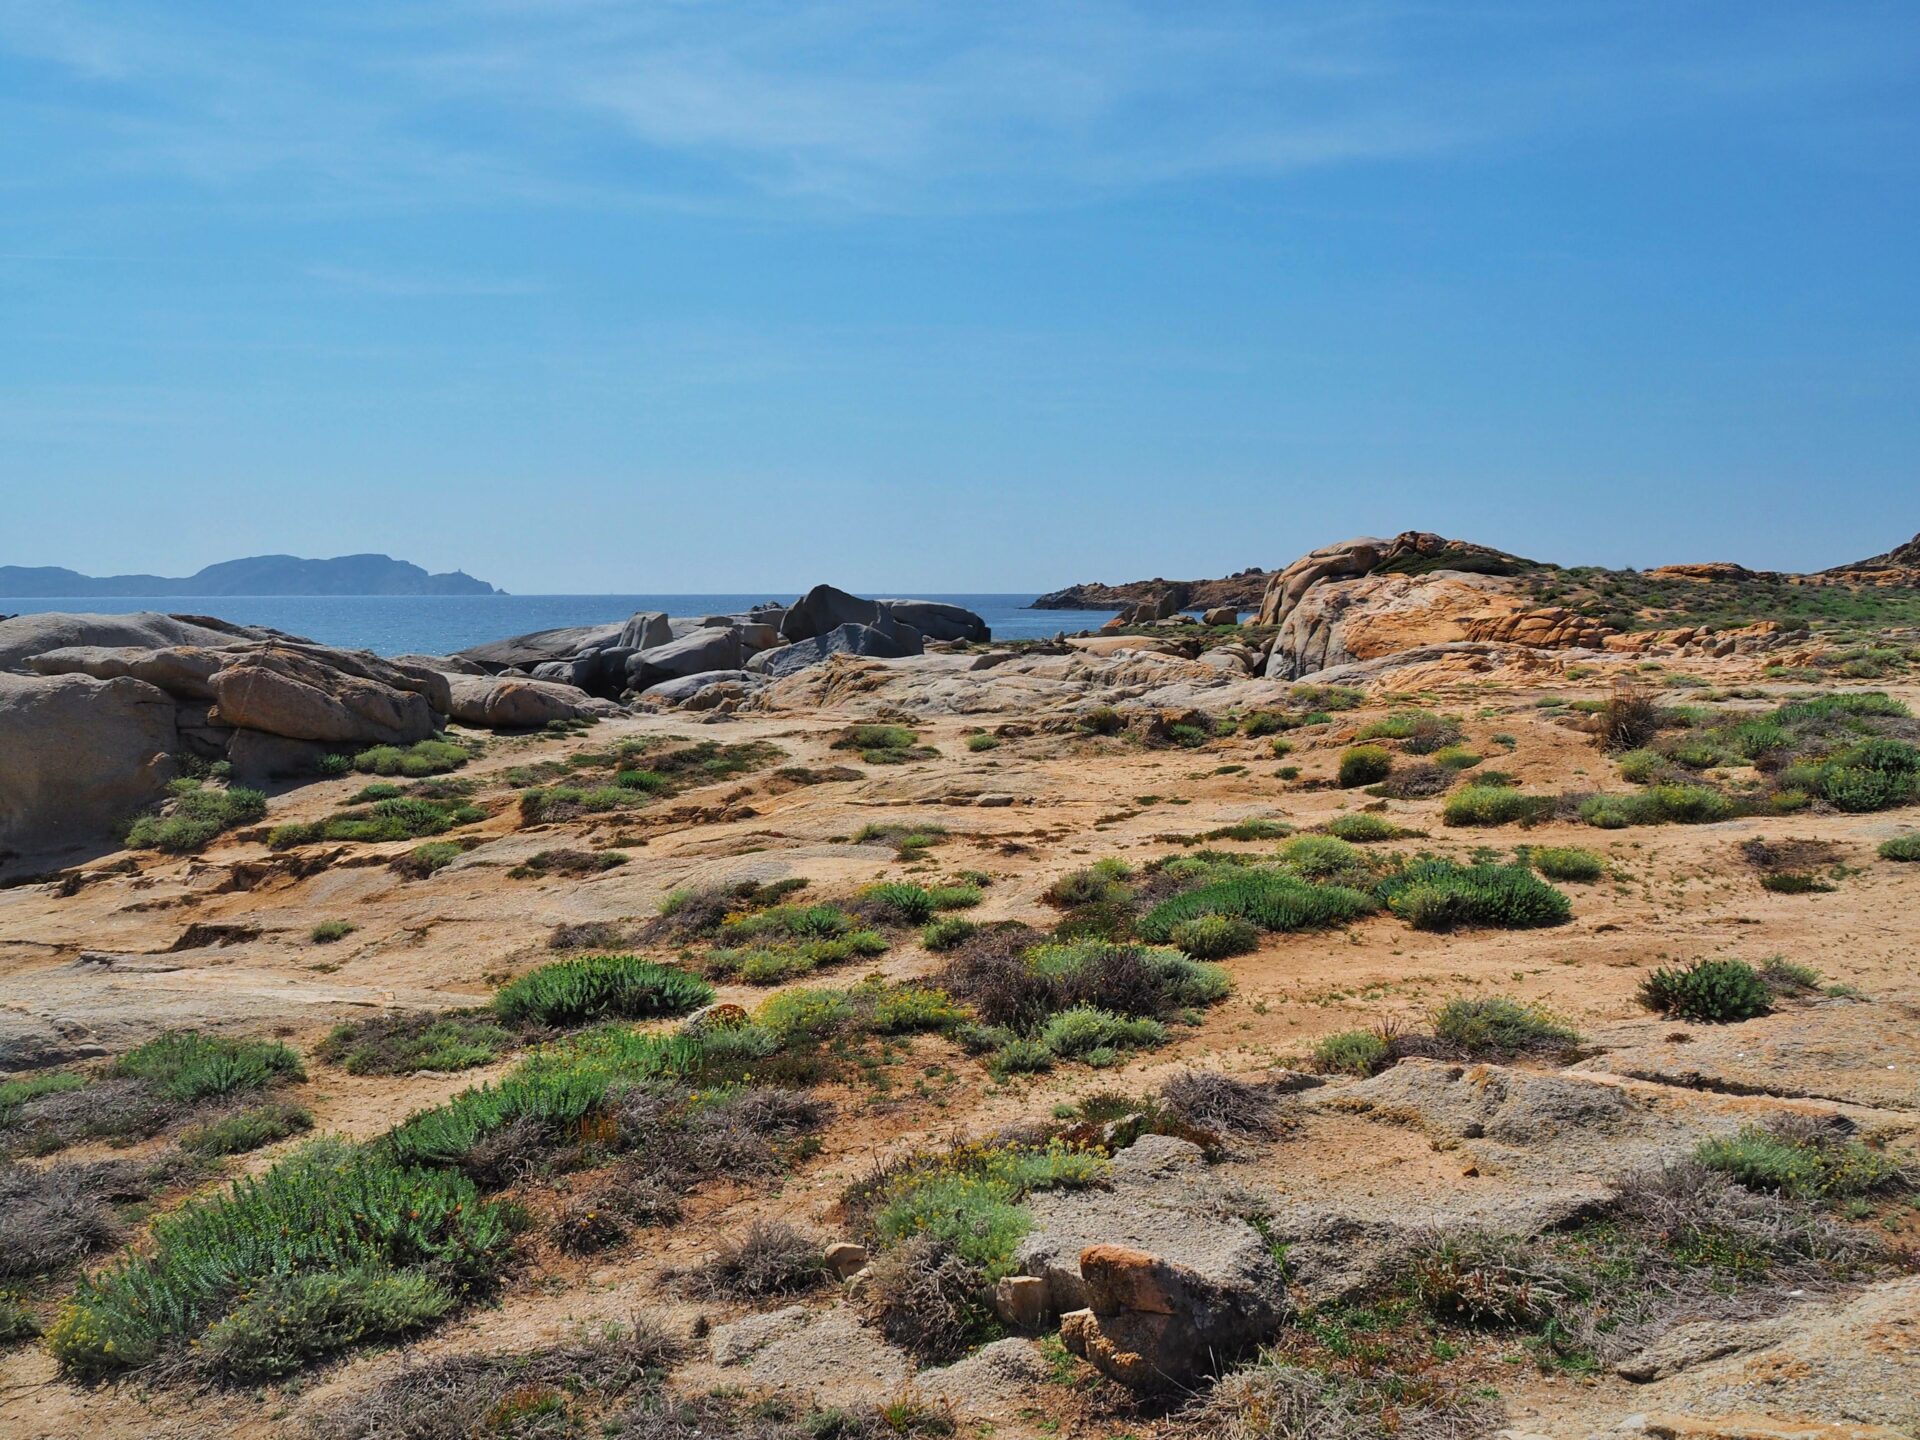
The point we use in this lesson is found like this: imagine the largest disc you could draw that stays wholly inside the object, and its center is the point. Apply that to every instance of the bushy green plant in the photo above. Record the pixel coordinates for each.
(328, 931)
(1566, 862)
(194, 816)
(1495, 805)
(1901, 847)
(248, 1129)
(900, 902)
(1085, 1028)
(1716, 991)
(969, 1199)
(420, 759)
(1364, 765)
(1325, 857)
(191, 1065)
(329, 1211)
(1432, 894)
(1020, 1057)
(1214, 937)
(1824, 1166)
(401, 1043)
(1876, 774)
(592, 987)
(947, 932)
(1352, 1052)
(982, 741)
(1272, 899)
(1495, 1026)
(1363, 829)
(15, 1093)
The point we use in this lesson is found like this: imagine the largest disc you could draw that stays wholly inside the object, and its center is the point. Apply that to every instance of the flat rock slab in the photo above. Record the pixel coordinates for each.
(1856, 1361)
(995, 1381)
(824, 1355)
(1849, 1052)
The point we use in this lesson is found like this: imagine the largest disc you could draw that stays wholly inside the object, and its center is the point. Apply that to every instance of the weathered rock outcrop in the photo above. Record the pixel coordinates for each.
(1369, 597)
(1241, 591)
(296, 694)
(504, 704)
(1157, 1278)
(80, 756)
(26, 635)
(850, 639)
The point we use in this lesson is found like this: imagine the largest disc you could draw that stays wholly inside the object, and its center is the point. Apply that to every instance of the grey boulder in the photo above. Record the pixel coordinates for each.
(523, 652)
(702, 651)
(705, 691)
(81, 756)
(645, 629)
(868, 640)
(825, 608)
(939, 620)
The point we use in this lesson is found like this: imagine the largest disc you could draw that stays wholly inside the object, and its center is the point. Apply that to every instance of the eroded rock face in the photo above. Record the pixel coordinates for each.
(26, 635)
(80, 756)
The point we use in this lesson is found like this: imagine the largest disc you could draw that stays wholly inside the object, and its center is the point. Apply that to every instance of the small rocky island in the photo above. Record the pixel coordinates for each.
(256, 575)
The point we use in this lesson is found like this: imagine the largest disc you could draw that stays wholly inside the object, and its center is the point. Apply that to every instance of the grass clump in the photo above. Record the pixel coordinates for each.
(885, 744)
(1901, 847)
(1364, 765)
(1714, 991)
(329, 931)
(1568, 862)
(1803, 1157)
(983, 741)
(416, 761)
(1663, 804)
(593, 987)
(409, 817)
(194, 815)
(906, 840)
(1495, 805)
(187, 1065)
(1495, 1027)
(1215, 937)
(330, 1247)
(947, 933)
(1364, 829)
(1435, 894)
(423, 1040)
(1352, 1052)
(249, 1129)
(1273, 900)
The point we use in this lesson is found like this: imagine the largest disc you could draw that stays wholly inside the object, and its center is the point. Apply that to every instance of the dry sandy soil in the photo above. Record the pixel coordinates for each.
(102, 968)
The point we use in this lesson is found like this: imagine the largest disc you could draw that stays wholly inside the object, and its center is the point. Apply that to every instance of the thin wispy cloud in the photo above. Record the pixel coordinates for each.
(871, 105)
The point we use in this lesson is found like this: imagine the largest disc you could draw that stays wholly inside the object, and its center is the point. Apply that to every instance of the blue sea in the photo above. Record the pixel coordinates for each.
(441, 624)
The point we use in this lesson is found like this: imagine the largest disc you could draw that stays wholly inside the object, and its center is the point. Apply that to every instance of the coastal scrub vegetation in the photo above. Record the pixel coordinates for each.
(193, 814)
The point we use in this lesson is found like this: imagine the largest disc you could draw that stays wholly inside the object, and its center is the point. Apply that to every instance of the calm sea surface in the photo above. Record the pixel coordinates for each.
(440, 624)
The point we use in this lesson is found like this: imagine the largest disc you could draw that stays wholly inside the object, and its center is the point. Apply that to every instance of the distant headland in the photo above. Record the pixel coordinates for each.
(256, 575)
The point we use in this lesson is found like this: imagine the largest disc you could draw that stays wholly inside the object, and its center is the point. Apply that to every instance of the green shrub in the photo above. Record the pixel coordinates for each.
(194, 816)
(1214, 937)
(328, 931)
(982, 741)
(1435, 894)
(1657, 805)
(1810, 1164)
(1271, 899)
(1495, 805)
(401, 1043)
(1901, 847)
(266, 1255)
(900, 902)
(248, 1129)
(15, 1093)
(1716, 991)
(909, 1009)
(1566, 862)
(17, 1322)
(1326, 857)
(428, 859)
(1641, 767)
(1020, 1057)
(805, 1014)
(416, 761)
(947, 933)
(1876, 774)
(1364, 765)
(189, 1065)
(969, 1199)
(1352, 1052)
(1262, 722)
(1794, 882)
(593, 987)
(1363, 829)
(1456, 757)
(1084, 1028)
(1257, 828)
(1495, 1026)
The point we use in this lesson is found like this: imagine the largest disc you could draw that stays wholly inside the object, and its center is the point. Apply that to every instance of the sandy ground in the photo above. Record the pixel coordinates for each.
(101, 964)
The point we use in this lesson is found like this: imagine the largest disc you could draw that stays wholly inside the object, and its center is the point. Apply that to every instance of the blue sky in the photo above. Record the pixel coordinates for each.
(594, 296)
